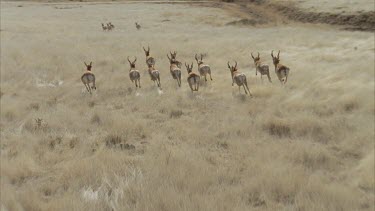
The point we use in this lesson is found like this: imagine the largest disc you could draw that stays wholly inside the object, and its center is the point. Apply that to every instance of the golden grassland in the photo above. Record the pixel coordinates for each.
(308, 145)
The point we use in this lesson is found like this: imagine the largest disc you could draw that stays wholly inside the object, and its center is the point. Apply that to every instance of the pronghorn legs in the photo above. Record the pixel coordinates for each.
(88, 88)
(269, 77)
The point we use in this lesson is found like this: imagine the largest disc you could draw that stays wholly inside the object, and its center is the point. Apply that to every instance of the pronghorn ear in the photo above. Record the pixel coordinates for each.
(85, 64)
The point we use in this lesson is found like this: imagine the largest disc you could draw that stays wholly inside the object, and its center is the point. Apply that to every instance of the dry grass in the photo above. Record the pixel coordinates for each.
(306, 146)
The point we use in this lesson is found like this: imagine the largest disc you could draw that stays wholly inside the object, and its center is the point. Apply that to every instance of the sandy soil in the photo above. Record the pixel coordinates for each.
(308, 145)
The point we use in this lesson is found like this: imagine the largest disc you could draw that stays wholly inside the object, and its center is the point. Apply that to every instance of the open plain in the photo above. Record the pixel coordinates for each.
(307, 145)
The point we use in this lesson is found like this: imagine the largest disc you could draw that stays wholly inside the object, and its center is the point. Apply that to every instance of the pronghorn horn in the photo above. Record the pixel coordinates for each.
(196, 57)
(129, 60)
(235, 66)
(187, 66)
(201, 56)
(85, 64)
(135, 59)
(228, 65)
(90, 63)
(192, 65)
(148, 48)
(278, 54)
(272, 53)
(168, 57)
(252, 55)
(258, 54)
(144, 48)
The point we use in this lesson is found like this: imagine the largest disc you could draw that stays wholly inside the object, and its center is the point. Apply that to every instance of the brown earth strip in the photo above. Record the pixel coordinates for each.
(263, 12)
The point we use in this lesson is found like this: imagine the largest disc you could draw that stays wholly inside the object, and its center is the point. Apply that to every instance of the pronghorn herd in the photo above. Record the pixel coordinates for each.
(108, 27)
(194, 79)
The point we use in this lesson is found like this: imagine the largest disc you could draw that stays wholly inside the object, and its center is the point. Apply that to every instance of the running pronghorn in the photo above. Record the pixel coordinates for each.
(134, 74)
(193, 78)
(263, 69)
(238, 78)
(105, 28)
(154, 74)
(88, 77)
(111, 25)
(282, 71)
(203, 68)
(137, 26)
(175, 70)
(150, 61)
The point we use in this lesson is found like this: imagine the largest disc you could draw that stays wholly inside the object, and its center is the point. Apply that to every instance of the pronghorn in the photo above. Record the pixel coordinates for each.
(154, 74)
(193, 78)
(238, 78)
(105, 28)
(282, 71)
(263, 69)
(88, 77)
(150, 61)
(203, 68)
(137, 26)
(109, 27)
(173, 55)
(112, 26)
(175, 70)
(134, 74)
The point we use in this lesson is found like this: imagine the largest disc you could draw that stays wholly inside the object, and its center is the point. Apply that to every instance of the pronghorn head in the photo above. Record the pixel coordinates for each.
(147, 52)
(88, 66)
(276, 59)
(132, 64)
(189, 68)
(199, 61)
(256, 59)
(173, 55)
(232, 68)
(174, 61)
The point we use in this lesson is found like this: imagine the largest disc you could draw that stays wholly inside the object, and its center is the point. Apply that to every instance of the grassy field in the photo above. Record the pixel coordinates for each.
(308, 145)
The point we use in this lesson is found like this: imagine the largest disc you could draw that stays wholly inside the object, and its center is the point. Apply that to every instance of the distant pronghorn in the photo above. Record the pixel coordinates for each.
(175, 70)
(105, 28)
(111, 25)
(263, 69)
(88, 77)
(134, 74)
(203, 68)
(282, 71)
(154, 74)
(149, 60)
(137, 26)
(193, 78)
(238, 78)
